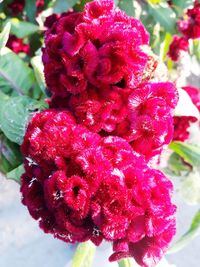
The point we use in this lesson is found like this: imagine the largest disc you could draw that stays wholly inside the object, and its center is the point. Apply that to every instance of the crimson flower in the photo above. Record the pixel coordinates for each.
(190, 27)
(177, 45)
(142, 116)
(17, 45)
(86, 172)
(80, 50)
(81, 187)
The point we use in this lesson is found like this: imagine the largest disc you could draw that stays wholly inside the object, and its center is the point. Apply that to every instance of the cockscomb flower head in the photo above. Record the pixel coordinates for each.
(143, 116)
(177, 45)
(17, 45)
(190, 27)
(100, 46)
(81, 186)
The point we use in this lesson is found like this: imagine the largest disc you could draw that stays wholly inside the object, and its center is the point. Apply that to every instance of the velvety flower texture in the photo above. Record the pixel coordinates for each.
(81, 186)
(95, 67)
(183, 123)
(17, 45)
(85, 177)
(100, 46)
(142, 116)
(190, 27)
(177, 45)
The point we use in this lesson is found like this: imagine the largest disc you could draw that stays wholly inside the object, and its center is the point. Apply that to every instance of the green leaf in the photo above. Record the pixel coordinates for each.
(196, 48)
(38, 67)
(14, 73)
(127, 262)
(176, 164)
(10, 156)
(164, 15)
(22, 28)
(127, 6)
(165, 46)
(182, 4)
(63, 6)
(84, 255)
(30, 10)
(193, 232)
(14, 116)
(16, 173)
(4, 35)
(189, 153)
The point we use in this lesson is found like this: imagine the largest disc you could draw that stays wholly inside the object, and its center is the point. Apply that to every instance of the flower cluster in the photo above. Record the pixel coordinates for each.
(16, 45)
(80, 51)
(86, 172)
(177, 45)
(85, 187)
(96, 73)
(189, 28)
(183, 123)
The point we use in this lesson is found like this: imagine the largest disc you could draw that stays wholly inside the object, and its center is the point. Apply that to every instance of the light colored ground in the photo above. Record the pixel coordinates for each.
(23, 244)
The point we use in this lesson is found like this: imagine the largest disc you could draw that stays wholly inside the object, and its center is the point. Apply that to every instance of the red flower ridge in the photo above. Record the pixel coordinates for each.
(81, 51)
(84, 179)
(94, 72)
(142, 116)
(177, 45)
(81, 186)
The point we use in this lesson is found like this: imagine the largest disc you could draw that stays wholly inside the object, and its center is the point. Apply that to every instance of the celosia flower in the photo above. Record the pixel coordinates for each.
(177, 45)
(17, 45)
(100, 46)
(150, 117)
(94, 64)
(181, 127)
(183, 123)
(16, 6)
(190, 27)
(142, 116)
(49, 21)
(81, 187)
